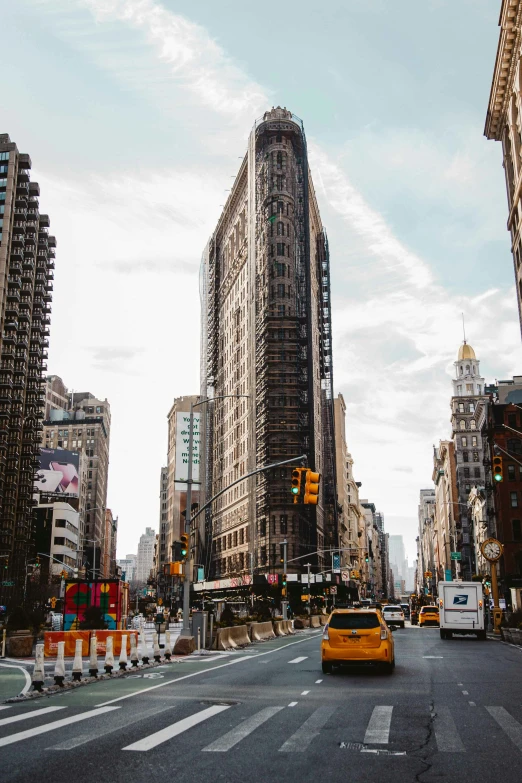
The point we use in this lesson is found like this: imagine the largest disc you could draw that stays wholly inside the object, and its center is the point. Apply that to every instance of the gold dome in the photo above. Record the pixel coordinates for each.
(466, 352)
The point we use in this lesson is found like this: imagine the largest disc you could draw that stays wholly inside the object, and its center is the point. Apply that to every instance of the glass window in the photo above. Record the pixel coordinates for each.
(514, 499)
(477, 472)
(517, 530)
(511, 473)
(461, 407)
(354, 620)
(462, 424)
(473, 440)
(465, 456)
(512, 419)
(473, 424)
(464, 441)
(466, 472)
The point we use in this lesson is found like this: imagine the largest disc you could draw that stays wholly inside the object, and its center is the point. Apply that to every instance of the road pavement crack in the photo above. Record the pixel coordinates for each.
(424, 752)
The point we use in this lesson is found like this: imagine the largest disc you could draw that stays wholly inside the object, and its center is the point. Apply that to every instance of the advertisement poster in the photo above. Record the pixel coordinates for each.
(182, 449)
(58, 472)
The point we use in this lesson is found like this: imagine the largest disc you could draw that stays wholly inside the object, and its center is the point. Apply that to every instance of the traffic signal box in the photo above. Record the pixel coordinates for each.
(311, 490)
(184, 545)
(296, 483)
(498, 469)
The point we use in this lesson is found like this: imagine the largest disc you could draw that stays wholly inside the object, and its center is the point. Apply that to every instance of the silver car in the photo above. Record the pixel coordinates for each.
(393, 615)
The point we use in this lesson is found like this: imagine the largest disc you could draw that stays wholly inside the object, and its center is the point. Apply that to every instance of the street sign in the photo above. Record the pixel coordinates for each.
(345, 576)
(336, 562)
(333, 590)
(456, 555)
(8, 583)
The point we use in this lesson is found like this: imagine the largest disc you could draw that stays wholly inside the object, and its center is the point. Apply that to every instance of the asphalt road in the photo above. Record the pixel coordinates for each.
(452, 711)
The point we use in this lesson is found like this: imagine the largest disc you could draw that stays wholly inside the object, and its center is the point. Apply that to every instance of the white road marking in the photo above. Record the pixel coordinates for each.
(116, 725)
(460, 683)
(206, 671)
(298, 660)
(5, 707)
(305, 693)
(465, 693)
(56, 724)
(245, 728)
(292, 704)
(511, 726)
(433, 656)
(153, 740)
(25, 715)
(26, 674)
(310, 729)
(446, 734)
(317, 682)
(472, 704)
(378, 729)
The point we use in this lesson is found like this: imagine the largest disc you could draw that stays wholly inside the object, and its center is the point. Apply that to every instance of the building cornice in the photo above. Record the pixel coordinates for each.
(505, 64)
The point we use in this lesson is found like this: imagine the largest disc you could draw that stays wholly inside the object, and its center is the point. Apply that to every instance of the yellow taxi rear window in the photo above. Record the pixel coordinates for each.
(355, 620)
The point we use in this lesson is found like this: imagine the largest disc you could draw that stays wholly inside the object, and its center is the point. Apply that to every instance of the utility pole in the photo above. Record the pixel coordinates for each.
(309, 588)
(285, 602)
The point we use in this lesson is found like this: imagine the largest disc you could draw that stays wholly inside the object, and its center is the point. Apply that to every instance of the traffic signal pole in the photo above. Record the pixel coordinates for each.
(285, 561)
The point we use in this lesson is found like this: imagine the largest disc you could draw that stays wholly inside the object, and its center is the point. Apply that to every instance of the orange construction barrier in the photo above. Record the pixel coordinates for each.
(101, 640)
(51, 639)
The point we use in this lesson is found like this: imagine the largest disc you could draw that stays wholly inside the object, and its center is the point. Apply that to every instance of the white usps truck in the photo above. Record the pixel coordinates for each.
(461, 609)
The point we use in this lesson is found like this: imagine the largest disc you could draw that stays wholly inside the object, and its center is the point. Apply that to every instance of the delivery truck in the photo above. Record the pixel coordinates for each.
(461, 609)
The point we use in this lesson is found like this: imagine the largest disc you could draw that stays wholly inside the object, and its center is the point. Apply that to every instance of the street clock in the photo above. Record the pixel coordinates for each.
(491, 549)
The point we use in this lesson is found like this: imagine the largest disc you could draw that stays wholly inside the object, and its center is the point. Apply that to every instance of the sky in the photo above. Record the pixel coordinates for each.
(136, 114)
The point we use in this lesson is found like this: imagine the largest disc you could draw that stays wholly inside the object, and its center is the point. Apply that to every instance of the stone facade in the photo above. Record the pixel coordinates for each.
(504, 123)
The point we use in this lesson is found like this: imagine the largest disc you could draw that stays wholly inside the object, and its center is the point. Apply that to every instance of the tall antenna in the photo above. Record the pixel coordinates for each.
(463, 327)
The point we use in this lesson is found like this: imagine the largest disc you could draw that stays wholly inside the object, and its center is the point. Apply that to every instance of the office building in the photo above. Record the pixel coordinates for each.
(26, 279)
(266, 341)
(145, 558)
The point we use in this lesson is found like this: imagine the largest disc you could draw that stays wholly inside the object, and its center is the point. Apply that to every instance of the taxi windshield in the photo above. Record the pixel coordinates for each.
(355, 620)
(430, 609)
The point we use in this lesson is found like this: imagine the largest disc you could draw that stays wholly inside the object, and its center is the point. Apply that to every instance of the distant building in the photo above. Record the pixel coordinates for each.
(145, 558)
(128, 567)
(56, 535)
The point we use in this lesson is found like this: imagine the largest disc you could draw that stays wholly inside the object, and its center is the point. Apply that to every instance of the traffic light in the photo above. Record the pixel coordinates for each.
(311, 491)
(498, 469)
(366, 559)
(6, 563)
(184, 545)
(281, 553)
(284, 580)
(296, 484)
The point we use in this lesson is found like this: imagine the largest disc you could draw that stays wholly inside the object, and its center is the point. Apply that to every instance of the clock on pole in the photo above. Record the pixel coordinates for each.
(492, 551)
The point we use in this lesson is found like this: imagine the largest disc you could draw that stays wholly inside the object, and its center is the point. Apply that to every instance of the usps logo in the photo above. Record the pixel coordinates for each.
(460, 600)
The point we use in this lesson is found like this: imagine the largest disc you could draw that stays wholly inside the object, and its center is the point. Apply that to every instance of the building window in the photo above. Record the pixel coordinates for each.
(514, 499)
(466, 472)
(477, 472)
(514, 445)
(474, 440)
(517, 530)
(58, 541)
(464, 441)
(461, 407)
(472, 407)
(465, 456)
(475, 456)
(511, 473)
(512, 419)
(462, 424)
(473, 424)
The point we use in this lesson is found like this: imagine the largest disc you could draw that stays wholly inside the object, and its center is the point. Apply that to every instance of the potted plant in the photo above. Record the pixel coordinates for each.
(20, 637)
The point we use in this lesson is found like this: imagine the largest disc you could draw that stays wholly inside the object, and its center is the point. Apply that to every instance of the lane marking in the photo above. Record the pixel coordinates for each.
(465, 693)
(472, 704)
(26, 673)
(378, 729)
(311, 728)
(32, 714)
(433, 656)
(153, 740)
(298, 660)
(460, 683)
(511, 726)
(5, 706)
(292, 704)
(245, 728)
(382, 752)
(305, 693)
(82, 739)
(57, 724)
(205, 671)
(317, 682)
(446, 734)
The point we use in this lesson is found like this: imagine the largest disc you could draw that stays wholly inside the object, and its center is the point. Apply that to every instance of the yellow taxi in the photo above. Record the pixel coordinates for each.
(357, 636)
(429, 615)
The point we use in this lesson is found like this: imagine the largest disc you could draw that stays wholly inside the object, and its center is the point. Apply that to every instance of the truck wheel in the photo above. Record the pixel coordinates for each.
(443, 634)
(482, 636)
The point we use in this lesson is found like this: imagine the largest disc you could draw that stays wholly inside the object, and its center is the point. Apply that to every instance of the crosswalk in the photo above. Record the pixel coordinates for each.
(295, 730)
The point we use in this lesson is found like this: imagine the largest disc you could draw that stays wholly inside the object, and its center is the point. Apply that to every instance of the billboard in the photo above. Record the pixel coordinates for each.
(182, 448)
(58, 472)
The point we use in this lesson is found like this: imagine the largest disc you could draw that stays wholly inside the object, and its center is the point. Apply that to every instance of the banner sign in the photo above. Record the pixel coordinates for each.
(182, 448)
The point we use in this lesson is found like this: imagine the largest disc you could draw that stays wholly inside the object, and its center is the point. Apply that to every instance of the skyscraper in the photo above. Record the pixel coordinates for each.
(266, 338)
(26, 274)
(145, 558)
